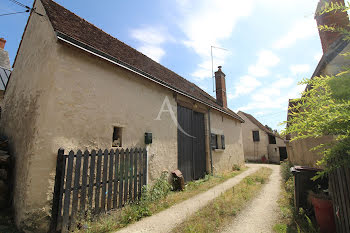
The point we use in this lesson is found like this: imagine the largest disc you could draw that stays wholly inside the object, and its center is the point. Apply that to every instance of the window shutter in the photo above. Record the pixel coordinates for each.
(223, 141)
(213, 141)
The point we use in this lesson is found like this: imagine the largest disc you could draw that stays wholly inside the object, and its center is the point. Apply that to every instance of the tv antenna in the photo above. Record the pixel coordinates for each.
(212, 63)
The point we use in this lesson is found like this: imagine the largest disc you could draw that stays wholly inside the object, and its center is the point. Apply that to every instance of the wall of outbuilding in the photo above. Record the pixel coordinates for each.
(62, 97)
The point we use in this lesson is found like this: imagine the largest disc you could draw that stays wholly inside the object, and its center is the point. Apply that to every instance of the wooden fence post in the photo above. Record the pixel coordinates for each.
(57, 190)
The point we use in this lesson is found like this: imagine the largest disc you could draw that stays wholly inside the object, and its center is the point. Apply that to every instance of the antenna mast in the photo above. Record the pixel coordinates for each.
(212, 63)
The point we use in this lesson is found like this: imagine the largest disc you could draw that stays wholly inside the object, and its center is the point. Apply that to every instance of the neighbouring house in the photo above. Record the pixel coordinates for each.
(259, 141)
(5, 68)
(74, 86)
(331, 63)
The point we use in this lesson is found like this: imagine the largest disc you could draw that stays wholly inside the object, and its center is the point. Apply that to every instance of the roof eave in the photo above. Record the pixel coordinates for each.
(67, 39)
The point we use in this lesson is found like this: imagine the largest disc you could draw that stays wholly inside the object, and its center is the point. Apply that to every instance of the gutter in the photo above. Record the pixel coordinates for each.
(69, 40)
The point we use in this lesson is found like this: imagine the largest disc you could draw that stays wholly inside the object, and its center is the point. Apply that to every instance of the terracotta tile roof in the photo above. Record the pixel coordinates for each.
(261, 126)
(66, 22)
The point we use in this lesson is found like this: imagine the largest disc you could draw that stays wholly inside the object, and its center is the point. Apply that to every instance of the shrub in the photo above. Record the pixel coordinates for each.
(159, 190)
(285, 170)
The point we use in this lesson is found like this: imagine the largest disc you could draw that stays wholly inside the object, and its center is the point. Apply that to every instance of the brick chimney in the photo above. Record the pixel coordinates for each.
(334, 18)
(220, 88)
(2, 43)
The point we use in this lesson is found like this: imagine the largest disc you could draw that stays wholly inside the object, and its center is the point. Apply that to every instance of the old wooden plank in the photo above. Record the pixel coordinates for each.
(140, 173)
(58, 189)
(60, 205)
(110, 179)
(92, 178)
(67, 192)
(341, 207)
(333, 196)
(347, 184)
(126, 174)
(135, 172)
(84, 176)
(76, 188)
(104, 180)
(131, 173)
(145, 168)
(121, 177)
(116, 178)
(346, 203)
(98, 181)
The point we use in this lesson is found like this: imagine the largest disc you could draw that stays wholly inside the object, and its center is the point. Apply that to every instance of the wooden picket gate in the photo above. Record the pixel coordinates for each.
(339, 185)
(97, 182)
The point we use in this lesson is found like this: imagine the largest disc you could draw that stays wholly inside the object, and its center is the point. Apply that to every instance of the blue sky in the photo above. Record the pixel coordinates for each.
(271, 44)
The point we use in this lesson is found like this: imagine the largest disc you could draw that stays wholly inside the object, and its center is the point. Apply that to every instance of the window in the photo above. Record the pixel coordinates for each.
(217, 141)
(117, 137)
(256, 136)
(272, 139)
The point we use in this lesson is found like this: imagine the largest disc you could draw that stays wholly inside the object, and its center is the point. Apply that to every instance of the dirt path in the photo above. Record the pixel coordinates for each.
(261, 214)
(166, 220)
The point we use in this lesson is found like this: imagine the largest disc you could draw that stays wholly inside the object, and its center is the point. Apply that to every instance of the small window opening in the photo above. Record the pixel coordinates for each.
(272, 139)
(117, 137)
(256, 136)
(217, 141)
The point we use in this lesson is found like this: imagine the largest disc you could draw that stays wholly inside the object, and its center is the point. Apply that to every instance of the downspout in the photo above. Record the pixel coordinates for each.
(147, 162)
(210, 151)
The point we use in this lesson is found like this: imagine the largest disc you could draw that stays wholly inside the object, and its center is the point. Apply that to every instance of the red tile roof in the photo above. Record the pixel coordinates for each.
(66, 22)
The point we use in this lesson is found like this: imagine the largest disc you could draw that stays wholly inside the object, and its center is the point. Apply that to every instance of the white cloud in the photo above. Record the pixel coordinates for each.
(283, 83)
(206, 23)
(266, 60)
(275, 96)
(154, 52)
(299, 69)
(246, 85)
(151, 40)
(302, 29)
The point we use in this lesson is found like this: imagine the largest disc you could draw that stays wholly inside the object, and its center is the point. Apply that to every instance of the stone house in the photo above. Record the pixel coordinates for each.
(259, 141)
(331, 63)
(76, 87)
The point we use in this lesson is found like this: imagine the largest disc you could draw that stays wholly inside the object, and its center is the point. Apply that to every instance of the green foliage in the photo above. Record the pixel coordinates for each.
(285, 170)
(159, 190)
(292, 220)
(236, 167)
(324, 108)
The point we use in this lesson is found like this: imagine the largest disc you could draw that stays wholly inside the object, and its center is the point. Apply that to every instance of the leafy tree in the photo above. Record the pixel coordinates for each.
(324, 109)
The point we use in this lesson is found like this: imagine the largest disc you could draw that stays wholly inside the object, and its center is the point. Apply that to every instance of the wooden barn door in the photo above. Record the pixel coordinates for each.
(191, 147)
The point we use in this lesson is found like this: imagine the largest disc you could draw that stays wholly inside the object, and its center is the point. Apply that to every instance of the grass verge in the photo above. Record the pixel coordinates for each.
(224, 208)
(292, 220)
(154, 199)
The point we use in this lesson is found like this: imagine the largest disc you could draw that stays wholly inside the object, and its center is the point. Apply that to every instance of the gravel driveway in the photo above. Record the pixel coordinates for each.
(259, 216)
(262, 213)
(166, 220)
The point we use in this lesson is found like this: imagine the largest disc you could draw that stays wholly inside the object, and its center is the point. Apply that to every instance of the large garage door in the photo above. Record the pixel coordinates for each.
(191, 144)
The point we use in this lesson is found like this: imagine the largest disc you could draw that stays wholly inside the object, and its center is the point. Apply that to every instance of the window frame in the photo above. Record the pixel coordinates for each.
(256, 135)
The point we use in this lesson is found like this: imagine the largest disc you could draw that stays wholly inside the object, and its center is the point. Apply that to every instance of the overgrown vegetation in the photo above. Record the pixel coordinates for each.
(224, 208)
(324, 109)
(154, 199)
(292, 220)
